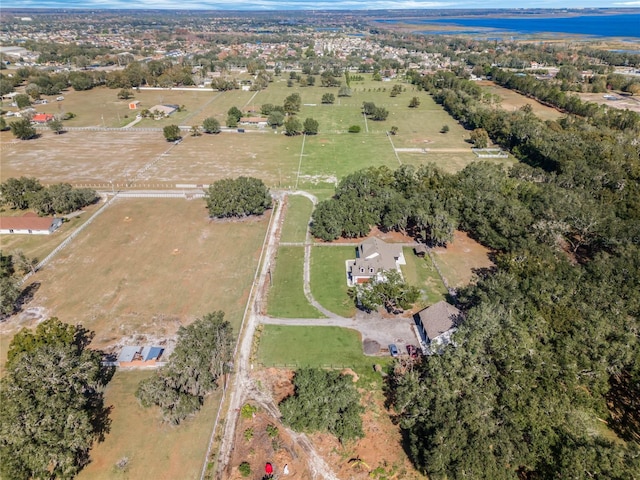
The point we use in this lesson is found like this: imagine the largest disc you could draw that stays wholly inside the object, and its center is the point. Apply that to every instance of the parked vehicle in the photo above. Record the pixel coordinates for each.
(393, 350)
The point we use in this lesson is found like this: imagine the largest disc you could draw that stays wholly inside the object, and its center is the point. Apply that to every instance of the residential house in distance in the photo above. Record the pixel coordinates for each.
(29, 224)
(42, 118)
(163, 110)
(435, 324)
(373, 256)
(259, 121)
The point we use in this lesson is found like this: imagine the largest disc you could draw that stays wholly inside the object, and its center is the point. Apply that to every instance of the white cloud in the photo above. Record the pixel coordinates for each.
(628, 4)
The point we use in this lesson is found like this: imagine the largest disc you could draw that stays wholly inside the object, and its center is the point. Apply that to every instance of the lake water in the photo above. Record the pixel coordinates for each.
(627, 25)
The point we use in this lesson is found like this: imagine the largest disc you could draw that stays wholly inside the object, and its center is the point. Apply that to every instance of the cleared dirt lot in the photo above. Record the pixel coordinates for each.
(621, 102)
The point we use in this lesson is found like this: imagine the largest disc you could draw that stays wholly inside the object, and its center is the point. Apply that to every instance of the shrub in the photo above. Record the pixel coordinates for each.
(272, 431)
(248, 434)
(245, 469)
(248, 411)
(354, 129)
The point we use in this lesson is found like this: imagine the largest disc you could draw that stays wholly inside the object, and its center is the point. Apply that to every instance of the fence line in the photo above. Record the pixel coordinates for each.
(67, 240)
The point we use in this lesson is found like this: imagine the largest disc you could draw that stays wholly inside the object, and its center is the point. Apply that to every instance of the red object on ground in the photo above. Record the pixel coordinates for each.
(268, 469)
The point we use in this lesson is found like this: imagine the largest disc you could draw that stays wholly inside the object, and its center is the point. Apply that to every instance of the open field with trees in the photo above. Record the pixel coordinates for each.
(141, 443)
(169, 247)
(329, 278)
(81, 157)
(286, 296)
(510, 101)
(143, 158)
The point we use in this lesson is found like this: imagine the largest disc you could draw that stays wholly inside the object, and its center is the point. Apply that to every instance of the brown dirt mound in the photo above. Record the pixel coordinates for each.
(371, 347)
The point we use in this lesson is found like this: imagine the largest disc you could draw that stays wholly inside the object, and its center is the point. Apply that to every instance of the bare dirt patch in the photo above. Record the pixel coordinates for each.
(462, 259)
(621, 102)
(378, 455)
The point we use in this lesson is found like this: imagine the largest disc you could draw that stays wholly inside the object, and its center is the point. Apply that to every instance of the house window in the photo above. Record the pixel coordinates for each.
(361, 270)
(30, 231)
(370, 270)
(11, 230)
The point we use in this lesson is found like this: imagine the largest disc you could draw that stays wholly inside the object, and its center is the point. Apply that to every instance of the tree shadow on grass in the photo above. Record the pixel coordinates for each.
(27, 295)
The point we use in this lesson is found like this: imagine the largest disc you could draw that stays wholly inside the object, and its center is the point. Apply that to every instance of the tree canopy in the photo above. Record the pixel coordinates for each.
(51, 408)
(22, 129)
(25, 192)
(201, 356)
(324, 401)
(238, 197)
(172, 133)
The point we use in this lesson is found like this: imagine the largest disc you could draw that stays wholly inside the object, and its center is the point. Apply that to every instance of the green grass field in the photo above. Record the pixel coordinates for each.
(329, 347)
(296, 219)
(154, 449)
(421, 273)
(286, 295)
(329, 278)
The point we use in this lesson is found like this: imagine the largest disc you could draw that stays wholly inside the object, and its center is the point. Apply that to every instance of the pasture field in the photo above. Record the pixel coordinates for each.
(155, 449)
(286, 295)
(315, 347)
(513, 101)
(39, 246)
(142, 159)
(149, 266)
(81, 157)
(461, 259)
(273, 158)
(421, 273)
(329, 278)
(296, 219)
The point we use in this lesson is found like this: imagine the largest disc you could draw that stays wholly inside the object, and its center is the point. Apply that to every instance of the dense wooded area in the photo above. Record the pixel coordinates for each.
(546, 369)
(51, 402)
(324, 401)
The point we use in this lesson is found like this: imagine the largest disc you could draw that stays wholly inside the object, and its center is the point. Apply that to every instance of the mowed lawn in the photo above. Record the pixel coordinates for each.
(296, 219)
(329, 278)
(286, 294)
(153, 449)
(312, 346)
(149, 266)
(421, 273)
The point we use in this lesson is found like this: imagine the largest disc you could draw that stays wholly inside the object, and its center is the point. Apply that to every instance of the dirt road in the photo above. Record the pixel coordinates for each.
(243, 387)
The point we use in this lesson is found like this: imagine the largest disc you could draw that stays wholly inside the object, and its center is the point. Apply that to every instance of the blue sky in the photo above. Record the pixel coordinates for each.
(265, 5)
